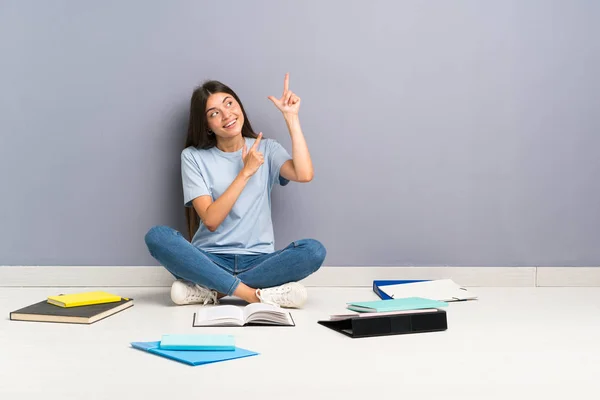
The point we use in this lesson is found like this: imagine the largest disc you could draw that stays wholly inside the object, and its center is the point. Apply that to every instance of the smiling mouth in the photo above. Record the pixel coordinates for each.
(230, 124)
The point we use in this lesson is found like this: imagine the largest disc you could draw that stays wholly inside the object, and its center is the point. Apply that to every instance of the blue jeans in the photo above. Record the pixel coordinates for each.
(224, 272)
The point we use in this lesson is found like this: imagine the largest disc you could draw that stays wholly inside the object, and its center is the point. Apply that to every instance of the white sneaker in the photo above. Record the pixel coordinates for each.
(289, 295)
(183, 292)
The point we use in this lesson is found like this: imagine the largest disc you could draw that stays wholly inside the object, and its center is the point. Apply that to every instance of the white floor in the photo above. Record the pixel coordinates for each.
(524, 342)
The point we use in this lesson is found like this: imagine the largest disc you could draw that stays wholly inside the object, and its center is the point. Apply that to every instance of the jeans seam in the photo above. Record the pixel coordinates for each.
(256, 265)
(233, 286)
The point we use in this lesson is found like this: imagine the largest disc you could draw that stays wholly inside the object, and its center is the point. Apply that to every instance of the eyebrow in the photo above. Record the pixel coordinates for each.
(212, 108)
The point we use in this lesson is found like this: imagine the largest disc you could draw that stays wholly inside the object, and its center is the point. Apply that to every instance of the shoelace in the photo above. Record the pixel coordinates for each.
(201, 293)
(275, 296)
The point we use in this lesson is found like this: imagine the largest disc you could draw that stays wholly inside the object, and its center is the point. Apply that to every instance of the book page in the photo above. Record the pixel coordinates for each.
(379, 314)
(219, 313)
(260, 307)
(267, 314)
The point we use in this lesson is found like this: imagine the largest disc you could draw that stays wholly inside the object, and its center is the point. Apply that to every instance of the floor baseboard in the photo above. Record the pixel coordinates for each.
(568, 276)
(151, 276)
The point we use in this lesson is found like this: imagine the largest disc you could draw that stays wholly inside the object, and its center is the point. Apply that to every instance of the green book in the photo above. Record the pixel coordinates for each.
(402, 304)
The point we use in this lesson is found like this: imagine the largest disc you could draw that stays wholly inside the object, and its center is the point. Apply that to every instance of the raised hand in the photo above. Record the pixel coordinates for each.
(253, 159)
(289, 103)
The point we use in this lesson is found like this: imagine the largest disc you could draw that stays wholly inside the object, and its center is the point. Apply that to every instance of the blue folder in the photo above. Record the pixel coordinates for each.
(199, 342)
(379, 283)
(193, 357)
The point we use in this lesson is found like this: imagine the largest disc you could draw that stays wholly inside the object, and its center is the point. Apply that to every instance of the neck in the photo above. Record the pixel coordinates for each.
(230, 145)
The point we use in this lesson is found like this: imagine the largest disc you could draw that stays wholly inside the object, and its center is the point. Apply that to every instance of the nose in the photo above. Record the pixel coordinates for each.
(226, 114)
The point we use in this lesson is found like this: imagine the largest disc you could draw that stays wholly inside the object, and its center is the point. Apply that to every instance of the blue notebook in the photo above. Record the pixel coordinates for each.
(193, 357)
(197, 342)
(408, 303)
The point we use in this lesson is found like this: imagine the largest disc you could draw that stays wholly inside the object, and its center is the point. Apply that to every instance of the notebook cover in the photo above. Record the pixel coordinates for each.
(389, 325)
(83, 299)
(46, 312)
(192, 357)
(408, 303)
(198, 342)
(377, 284)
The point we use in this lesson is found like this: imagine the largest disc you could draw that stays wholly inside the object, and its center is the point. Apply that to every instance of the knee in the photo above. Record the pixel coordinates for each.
(316, 252)
(156, 236)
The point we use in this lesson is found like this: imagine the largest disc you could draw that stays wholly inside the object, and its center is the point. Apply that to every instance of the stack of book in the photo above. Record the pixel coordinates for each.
(405, 307)
(75, 308)
(390, 317)
(195, 349)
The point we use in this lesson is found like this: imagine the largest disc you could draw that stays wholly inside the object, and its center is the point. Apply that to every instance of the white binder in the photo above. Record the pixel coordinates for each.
(442, 290)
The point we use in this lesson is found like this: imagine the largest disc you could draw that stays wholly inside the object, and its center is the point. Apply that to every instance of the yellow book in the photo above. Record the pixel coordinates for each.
(83, 299)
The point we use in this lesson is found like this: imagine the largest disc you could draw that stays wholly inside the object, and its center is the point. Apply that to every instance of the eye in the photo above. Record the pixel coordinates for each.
(214, 114)
(229, 103)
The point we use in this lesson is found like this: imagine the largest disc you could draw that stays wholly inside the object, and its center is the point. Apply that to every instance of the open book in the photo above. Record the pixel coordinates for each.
(252, 314)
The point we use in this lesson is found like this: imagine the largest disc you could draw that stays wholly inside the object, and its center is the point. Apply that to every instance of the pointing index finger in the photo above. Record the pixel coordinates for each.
(286, 82)
(256, 142)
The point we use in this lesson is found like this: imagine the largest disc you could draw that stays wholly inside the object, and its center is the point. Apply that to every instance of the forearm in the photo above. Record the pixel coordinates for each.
(220, 208)
(300, 154)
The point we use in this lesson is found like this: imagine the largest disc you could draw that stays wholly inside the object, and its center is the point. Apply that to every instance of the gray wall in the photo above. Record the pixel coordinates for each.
(442, 132)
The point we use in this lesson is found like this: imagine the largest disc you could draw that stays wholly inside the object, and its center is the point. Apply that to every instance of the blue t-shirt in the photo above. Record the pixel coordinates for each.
(248, 228)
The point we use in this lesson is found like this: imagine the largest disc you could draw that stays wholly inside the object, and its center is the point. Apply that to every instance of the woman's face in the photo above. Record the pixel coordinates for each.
(224, 115)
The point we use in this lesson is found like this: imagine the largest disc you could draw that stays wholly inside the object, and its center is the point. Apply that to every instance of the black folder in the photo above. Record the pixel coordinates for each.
(383, 325)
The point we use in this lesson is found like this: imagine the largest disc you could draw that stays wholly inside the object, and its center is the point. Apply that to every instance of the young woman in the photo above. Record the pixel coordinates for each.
(228, 172)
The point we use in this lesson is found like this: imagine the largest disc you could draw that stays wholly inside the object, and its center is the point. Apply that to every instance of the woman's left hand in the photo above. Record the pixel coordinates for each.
(289, 103)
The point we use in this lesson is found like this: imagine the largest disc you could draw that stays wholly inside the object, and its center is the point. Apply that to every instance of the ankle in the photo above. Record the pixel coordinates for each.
(246, 293)
(253, 298)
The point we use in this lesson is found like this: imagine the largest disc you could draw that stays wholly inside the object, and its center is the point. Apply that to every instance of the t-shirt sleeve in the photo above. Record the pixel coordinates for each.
(192, 179)
(278, 155)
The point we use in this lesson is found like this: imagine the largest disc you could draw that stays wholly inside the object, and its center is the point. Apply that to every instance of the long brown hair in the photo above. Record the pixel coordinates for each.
(199, 137)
